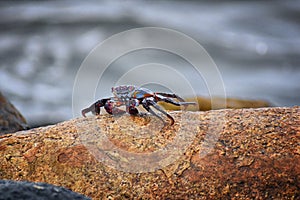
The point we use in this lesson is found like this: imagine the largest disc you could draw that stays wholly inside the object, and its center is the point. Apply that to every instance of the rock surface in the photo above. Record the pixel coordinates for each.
(223, 154)
(22, 190)
(10, 118)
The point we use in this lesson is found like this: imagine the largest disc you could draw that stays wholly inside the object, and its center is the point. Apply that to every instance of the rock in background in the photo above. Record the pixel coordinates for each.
(205, 103)
(235, 154)
(10, 118)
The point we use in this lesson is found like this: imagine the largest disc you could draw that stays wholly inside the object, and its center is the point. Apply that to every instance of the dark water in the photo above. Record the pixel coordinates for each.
(255, 44)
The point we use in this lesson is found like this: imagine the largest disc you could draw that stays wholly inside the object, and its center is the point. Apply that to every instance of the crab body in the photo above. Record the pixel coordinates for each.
(131, 97)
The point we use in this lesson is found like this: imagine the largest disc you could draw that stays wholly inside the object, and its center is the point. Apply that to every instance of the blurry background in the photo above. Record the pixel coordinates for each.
(255, 44)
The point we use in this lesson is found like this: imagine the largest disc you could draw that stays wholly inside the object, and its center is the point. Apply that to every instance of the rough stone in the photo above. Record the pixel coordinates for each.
(23, 190)
(222, 154)
(10, 118)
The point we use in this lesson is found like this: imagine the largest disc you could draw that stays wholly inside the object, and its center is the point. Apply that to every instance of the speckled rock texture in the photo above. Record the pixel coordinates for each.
(23, 190)
(10, 118)
(231, 154)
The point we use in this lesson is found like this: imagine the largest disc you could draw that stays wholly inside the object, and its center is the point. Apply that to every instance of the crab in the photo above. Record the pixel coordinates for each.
(131, 97)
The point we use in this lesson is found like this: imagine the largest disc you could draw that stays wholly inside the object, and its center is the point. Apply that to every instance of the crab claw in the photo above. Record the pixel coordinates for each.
(87, 110)
(95, 107)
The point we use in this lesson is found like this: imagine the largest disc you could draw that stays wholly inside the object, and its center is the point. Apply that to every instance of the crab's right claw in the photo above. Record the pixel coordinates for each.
(95, 107)
(87, 110)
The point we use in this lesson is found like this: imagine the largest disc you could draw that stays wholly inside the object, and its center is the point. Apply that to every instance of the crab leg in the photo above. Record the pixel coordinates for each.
(153, 113)
(171, 101)
(170, 96)
(148, 103)
(181, 103)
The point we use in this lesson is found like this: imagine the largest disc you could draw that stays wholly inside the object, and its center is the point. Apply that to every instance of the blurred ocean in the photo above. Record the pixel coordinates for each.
(255, 44)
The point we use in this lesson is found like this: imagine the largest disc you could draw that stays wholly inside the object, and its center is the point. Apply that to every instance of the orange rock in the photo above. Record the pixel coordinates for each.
(230, 154)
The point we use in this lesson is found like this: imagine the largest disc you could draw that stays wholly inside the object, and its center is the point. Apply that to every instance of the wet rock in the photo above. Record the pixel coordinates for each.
(22, 190)
(10, 118)
(221, 154)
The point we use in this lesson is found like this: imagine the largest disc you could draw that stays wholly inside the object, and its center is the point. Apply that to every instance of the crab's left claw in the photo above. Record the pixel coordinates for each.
(87, 110)
(95, 107)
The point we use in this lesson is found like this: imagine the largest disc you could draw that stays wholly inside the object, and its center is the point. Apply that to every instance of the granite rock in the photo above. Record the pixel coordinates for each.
(220, 154)
(23, 190)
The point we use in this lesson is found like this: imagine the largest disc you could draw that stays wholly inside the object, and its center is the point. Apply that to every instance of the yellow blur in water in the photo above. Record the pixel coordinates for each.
(204, 104)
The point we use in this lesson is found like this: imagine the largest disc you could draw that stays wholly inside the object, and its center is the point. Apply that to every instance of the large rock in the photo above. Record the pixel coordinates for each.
(228, 154)
(10, 118)
(23, 190)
